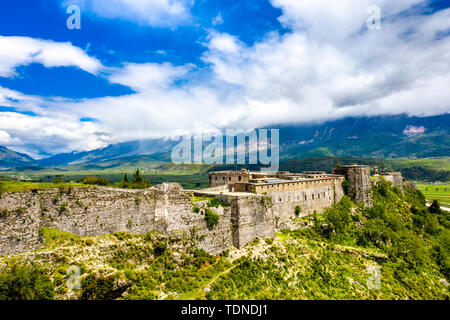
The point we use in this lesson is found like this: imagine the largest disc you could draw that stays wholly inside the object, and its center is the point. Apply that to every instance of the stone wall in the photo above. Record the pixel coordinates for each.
(227, 177)
(94, 211)
(396, 178)
(309, 200)
(359, 179)
(252, 217)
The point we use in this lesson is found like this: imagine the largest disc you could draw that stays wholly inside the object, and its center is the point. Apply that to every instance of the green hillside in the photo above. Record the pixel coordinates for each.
(397, 250)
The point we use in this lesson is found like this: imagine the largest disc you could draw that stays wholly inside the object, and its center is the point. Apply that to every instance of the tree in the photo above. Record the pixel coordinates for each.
(58, 179)
(137, 178)
(435, 207)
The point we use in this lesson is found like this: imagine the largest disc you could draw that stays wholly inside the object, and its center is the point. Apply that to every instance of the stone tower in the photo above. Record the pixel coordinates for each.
(359, 179)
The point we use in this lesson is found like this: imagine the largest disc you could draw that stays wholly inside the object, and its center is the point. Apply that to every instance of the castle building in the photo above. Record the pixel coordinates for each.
(358, 177)
(310, 190)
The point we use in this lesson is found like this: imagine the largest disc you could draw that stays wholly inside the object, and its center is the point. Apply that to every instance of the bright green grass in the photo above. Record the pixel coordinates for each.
(439, 193)
(12, 185)
(197, 199)
(187, 180)
(53, 237)
(430, 163)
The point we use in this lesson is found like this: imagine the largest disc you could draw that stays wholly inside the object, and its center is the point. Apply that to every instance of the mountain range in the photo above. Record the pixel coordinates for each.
(397, 136)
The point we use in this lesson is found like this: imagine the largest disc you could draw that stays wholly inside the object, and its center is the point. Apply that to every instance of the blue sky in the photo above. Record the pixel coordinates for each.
(155, 68)
(114, 41)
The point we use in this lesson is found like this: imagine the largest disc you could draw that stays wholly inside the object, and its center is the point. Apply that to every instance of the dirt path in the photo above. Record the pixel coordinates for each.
(200, 292)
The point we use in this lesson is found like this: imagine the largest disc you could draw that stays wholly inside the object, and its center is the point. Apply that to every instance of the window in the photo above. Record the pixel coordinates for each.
(313, 197)
(240, 178)
(216, 178)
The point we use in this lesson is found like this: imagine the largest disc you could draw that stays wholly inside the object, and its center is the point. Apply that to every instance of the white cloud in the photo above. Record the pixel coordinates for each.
(17, 51)
(217, 20)
(53, 128)
(156, 13)
(148, 75)
(334, 21)
(327, 67)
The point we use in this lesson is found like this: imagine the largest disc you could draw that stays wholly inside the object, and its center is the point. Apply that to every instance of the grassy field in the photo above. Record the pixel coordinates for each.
(187, 180)
(439, 193)
(6, 186)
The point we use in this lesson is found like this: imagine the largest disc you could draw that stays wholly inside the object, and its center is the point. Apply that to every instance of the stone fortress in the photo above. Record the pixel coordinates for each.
(254, 204)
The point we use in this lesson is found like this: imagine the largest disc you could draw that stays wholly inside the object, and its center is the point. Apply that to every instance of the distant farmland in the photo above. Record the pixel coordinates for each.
(439, 193)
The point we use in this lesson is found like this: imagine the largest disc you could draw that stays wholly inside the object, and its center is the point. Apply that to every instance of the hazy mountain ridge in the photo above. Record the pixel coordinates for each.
(371, 137)
(383, 136)
(10, 158)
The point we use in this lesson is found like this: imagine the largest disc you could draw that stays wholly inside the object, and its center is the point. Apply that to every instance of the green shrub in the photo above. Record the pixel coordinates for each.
(269, 241)
(123, 235)
(298, 210)
(25, 282)
(160, 248)
(63, 207)
(215, 203)
(4, 213)
(346, 187)
(100, 288)
(340, 226)
(94, 180)
(211, 218)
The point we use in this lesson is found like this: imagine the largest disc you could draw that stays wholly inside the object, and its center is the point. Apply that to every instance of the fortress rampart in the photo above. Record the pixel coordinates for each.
(254, 206)
(93, 211)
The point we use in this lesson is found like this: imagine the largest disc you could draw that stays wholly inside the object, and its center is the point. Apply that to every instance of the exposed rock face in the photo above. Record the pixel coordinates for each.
(94, 211)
